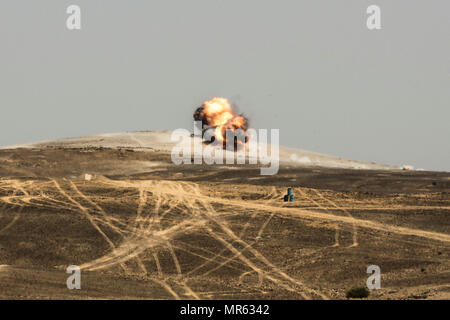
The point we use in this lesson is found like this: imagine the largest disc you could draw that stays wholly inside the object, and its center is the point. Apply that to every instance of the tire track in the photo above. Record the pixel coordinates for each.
(85, 211)
(355, 230)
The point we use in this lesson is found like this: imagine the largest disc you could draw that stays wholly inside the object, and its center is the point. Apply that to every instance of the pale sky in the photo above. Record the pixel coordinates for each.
(309, 68)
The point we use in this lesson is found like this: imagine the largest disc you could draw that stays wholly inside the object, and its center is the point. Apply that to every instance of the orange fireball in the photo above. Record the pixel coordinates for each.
(218, 113)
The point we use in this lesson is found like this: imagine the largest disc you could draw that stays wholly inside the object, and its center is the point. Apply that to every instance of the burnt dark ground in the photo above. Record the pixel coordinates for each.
(274, 250)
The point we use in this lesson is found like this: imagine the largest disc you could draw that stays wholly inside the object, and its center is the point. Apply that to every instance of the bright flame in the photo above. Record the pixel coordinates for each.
(217, 113)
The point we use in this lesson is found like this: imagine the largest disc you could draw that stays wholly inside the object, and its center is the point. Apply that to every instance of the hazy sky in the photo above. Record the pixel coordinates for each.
(310, 68)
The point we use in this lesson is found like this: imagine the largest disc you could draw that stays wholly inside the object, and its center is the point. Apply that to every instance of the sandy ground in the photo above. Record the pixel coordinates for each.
(143, 228)
(161, 141)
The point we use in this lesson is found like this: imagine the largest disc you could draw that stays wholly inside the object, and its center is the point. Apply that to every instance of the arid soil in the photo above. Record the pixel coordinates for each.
(143, 228)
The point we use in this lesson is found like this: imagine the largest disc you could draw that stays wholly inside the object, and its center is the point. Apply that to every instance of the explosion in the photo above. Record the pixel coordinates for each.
(217, 113)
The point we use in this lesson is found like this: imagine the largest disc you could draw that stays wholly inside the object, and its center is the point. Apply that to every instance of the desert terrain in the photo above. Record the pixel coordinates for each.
(141, 227)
